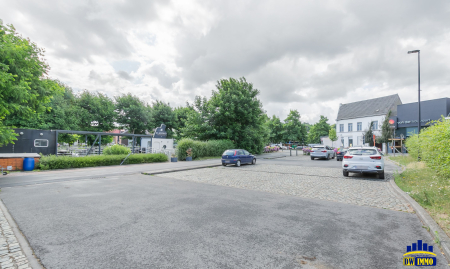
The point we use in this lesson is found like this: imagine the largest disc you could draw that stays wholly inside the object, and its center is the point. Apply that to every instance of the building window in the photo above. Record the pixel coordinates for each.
(359, 126)
(341, 128)
(41, 143)
(374, 125)
(350, 142)
(350, 127)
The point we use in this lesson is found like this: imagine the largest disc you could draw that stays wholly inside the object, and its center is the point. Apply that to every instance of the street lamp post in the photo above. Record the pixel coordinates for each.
(418, 125)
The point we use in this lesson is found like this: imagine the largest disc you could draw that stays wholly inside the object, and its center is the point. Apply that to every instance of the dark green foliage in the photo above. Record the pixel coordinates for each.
(234, 112)
(368, 135)
(24, 90)
(276, 129)
(64, 162)
(294, 130)
(211, 148)
(386, 130)
(96, 107)
(322, 128)
(163, 113)
(132, 113)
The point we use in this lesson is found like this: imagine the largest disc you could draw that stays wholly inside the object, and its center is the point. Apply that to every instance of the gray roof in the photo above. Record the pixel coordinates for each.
(372, 107)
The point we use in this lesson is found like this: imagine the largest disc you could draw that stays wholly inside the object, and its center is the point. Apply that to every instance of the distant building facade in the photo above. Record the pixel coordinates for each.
(355, 118)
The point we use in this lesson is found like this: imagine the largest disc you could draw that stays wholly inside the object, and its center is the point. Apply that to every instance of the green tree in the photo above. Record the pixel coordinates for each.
(132, 113)
(25, 90)
(332, 134)
(234, 112)
(386, 130)
(96, 108)
(181, 116)
(162, 113)
(276, 129)
(293, 128)
(321, 128)
(368, 135)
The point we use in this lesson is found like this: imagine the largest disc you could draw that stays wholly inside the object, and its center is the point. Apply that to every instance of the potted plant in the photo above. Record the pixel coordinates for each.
(173, 158)
(189, 154)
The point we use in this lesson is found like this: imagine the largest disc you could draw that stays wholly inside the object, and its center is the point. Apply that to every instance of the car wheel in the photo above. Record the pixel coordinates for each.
(312, 158)
(334, 156)
(238, 163)
(337, 159)
(254, 161)
(328, 157)
(224, 164)
(381, 175)
(345, 173)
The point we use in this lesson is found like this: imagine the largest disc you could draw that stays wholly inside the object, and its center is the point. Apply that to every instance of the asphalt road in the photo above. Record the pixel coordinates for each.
(150, 222)
(30, 178)
(138, 221)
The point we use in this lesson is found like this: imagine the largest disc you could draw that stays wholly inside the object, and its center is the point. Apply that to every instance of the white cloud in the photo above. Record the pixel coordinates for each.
(303, 55)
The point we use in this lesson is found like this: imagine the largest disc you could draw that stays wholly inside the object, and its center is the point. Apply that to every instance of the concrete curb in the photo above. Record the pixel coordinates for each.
(33, 262)
(179, 169)
(426, 219)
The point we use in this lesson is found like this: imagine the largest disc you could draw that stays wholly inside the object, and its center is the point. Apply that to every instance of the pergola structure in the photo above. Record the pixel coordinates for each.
(99, 137)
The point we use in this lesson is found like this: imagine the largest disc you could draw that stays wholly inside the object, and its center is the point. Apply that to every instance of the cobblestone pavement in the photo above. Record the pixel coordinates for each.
(308, 182)
(11, 256)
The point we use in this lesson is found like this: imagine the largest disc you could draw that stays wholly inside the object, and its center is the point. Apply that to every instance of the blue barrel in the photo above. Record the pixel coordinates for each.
(28, 164)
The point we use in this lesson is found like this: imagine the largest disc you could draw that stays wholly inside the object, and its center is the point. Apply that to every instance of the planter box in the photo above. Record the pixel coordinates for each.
(174, 159)
(189, 158)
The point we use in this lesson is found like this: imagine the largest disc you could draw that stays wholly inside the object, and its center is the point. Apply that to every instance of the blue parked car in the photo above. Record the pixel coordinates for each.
(237, 157)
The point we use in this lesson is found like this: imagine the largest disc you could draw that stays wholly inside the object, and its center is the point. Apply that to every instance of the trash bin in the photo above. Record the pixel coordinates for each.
(28, 164)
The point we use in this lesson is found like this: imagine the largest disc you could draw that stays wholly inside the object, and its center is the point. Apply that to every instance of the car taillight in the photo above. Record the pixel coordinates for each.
(338, 152)
(348, 157)
(312, 150)
(324, 151)
(376, 157)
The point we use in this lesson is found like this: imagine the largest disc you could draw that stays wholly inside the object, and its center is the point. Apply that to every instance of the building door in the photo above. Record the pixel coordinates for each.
(350, 142)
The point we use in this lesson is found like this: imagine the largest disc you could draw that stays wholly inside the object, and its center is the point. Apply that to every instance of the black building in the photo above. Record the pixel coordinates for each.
(32, 141)
(407, 117)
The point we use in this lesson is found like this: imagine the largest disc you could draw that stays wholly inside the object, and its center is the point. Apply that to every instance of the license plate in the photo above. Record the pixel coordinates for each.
(361, 167)
(227, 161)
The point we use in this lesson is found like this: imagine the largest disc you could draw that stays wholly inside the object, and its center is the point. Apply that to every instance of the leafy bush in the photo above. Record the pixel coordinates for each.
(434, 146)
(116, 150)
(210, 148)
(64, 162)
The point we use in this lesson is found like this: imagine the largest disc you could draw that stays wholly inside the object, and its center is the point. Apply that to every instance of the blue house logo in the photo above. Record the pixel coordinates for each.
(419, 254)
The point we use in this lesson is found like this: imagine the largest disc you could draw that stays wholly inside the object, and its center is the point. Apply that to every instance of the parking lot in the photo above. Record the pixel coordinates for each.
(283, 212)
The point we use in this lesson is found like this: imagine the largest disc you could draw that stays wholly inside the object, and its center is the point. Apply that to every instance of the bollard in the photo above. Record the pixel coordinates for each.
(290, 152)
(296, 152)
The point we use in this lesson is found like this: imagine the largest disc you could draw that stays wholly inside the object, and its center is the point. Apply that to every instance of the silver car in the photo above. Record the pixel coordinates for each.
(322, 152)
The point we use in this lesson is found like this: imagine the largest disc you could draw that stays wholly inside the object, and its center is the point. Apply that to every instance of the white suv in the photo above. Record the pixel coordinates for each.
(322, 152)
(363, 160)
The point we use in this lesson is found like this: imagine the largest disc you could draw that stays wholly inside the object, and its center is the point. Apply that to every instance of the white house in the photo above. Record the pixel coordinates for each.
(354, 118)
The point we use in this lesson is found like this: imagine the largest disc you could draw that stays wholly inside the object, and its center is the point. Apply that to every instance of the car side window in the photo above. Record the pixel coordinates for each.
(246, 152)
(240, 152)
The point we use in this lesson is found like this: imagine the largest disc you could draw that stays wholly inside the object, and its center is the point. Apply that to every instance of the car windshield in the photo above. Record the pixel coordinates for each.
(362, 152)
(228, 152)
(318, 147)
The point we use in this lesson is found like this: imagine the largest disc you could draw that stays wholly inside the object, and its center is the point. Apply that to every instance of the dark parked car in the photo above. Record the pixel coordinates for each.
(340, 154)
(237, 157)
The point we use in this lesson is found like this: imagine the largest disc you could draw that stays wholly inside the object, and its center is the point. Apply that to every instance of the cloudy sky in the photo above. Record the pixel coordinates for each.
(304, 55)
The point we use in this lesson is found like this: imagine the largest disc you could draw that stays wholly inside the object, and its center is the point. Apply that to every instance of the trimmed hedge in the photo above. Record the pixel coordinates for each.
(64, 162)
(116, 150)
(211, 148)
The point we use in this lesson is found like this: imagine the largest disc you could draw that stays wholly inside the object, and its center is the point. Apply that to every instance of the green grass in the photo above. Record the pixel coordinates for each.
(426, 187)
(403, 160)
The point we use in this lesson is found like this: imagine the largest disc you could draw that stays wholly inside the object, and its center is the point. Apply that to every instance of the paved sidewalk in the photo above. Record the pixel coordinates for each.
(307, 182)
(11, 255)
